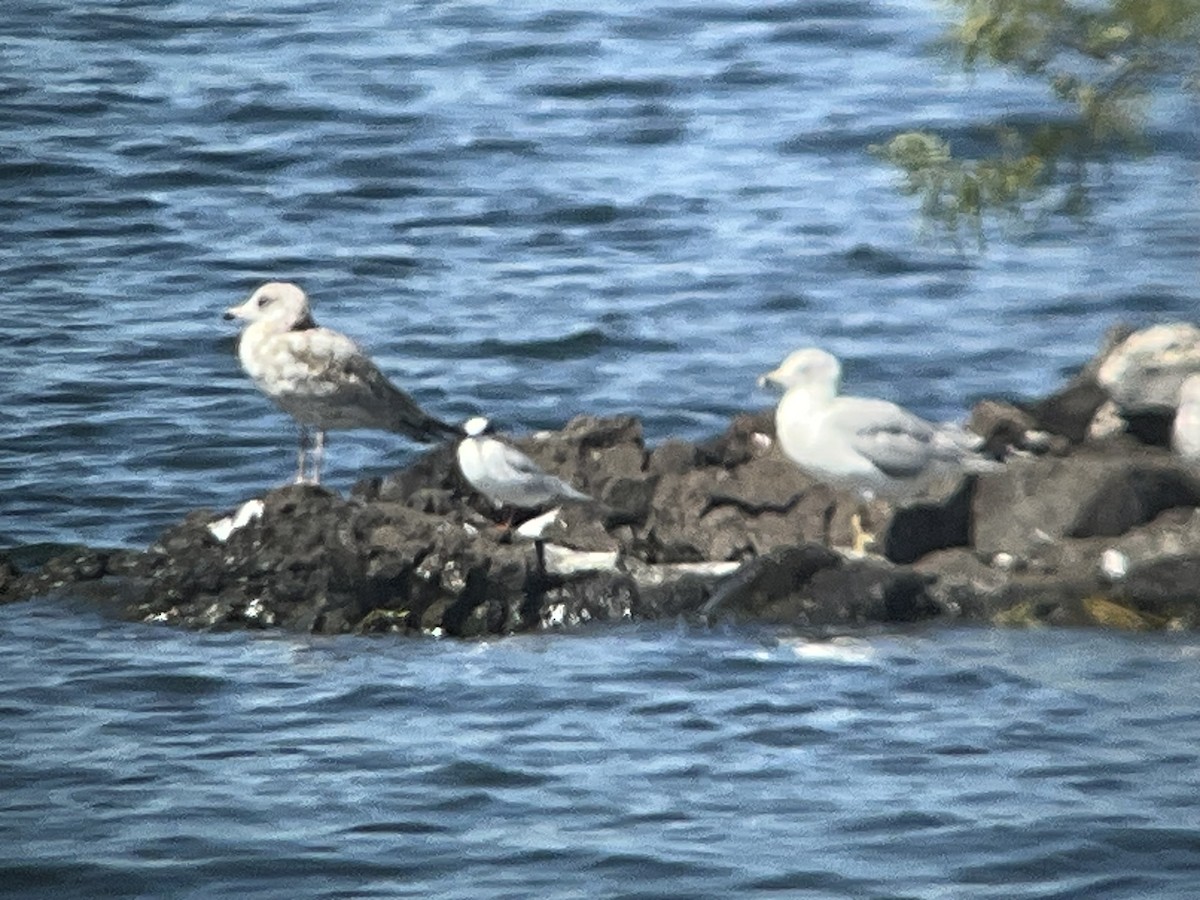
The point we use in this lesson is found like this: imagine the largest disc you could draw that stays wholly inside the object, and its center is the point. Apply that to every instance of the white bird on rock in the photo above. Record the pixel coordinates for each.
(505, 475)
(320, 377)
(867, 445)
(1185, 430)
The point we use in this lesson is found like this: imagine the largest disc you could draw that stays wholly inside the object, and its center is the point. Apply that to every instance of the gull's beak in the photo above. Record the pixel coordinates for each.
(235, 312)
(767, 380)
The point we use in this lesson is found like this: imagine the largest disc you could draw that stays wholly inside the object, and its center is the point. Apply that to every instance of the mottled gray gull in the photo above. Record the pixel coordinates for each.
(320, 377)
(505, 475)
(870, 446)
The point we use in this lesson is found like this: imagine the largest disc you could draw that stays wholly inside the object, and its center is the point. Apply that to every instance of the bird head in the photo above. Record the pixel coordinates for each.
(278, 302)
(476, 426)
(807, 366)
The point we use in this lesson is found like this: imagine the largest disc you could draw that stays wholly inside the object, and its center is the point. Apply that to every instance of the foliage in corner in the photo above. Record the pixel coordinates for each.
(1099, 58)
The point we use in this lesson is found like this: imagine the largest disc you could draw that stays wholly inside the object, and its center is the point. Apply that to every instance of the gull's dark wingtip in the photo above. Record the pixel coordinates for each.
(450, 431)
(430, 430)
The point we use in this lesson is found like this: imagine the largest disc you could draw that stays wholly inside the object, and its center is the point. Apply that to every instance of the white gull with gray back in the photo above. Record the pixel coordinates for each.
(505, 475)
(872, 446)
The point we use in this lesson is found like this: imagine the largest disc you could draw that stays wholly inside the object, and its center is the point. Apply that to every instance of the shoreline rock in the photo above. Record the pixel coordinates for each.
(1076, 530)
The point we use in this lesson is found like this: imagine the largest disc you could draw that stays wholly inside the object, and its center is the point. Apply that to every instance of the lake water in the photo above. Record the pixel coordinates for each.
(534, 211)
(637, 762)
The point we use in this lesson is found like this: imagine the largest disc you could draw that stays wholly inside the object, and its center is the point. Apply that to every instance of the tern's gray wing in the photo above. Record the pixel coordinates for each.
(519, 464)
(892, 439)
(521, 467)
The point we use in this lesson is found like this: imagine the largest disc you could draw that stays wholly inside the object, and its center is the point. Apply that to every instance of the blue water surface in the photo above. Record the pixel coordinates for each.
(637, 762)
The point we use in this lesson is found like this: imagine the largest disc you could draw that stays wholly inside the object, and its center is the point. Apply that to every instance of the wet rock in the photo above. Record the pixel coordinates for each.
(608, 598)
(1007, 592)
(9, 577)
(869, 591)
(1164, 590)
(962, 585)
(1100, 492)
(811, 586)
(759, 587)
(669, 591)
(71, 567)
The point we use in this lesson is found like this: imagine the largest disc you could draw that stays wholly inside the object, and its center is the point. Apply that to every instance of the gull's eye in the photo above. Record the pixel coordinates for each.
(265, 301)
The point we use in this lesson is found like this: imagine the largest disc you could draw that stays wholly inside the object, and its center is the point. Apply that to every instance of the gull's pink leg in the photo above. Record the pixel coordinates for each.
(302, 455)
(318, 456)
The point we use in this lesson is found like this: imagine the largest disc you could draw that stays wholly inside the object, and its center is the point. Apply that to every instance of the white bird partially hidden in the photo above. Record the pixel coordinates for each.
(870, 446)
(320, 377)
(505, 475)
(1185, 430)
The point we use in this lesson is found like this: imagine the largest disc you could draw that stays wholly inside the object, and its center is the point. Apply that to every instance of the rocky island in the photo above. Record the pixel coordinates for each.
(1091, 521)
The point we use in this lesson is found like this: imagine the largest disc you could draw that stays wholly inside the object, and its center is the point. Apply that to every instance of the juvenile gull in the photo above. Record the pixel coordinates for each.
(320, 377)
(870, 446)
(505, 475)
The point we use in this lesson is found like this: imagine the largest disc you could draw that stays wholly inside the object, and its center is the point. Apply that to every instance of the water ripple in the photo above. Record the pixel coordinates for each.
(568, 763)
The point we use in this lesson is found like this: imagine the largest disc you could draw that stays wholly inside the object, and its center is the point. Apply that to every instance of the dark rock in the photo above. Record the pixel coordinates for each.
(1151, 428)
(812, 586)
(1104, 491)
(683, 596)
(1167, 587)
(482, 606)
(580, 527)
(9, 577)
(591, 451)
(964, 586)
(1070, 411)
(868, 590)
(72, 567)
(610, 597)
(731, 514)
(1005, 427)
(930, 524)
(748, 436)
(627, 500)
(758, 588)
(673, 457)
(435, 470)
